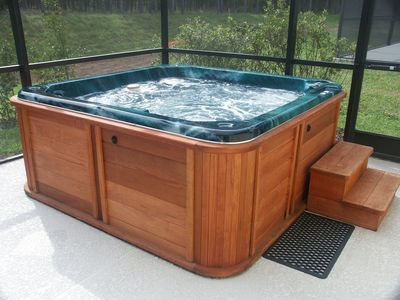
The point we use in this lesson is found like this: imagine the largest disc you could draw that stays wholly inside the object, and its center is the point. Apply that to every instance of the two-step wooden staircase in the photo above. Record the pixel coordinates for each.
(343, 188)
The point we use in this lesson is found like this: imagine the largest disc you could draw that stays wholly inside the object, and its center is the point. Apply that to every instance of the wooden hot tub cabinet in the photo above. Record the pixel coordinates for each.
(211, 208)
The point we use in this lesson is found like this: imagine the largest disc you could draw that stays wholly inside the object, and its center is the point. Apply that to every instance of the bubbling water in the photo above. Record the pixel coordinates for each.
(197, 99)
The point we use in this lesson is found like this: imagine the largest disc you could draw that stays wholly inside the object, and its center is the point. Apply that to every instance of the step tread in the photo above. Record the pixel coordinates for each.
(343, 159)
(374, 190)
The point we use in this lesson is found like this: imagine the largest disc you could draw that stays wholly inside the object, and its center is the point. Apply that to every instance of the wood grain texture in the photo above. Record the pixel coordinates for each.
(342, 188)
(374, 191)
(148, 222)
(146, 183)
(226, 199)
(190, 173)
(313, 144)
(338, 210)
(192, 202)
(147, 145)
(158, 136)
(64, 197)
(101, 177)
(62, 159)
(27, 150)
(315, 124)
(276, 161)
(343, 159)
(91, 156)
(145, 192)
(334, 175)
(146, 204)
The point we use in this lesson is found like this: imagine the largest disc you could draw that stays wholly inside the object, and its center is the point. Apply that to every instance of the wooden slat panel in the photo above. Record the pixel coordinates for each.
(269, 201)
(272, 198)
(219, 208)
(270, 180)
(27, 148)
(101, 177)
(68, 121)
(64, 197)
(170, 151)
(76, 152)
(91, 155)
(246, 205)
(61, 147)
(56, 131)
(274, 174)
(150, 240)
(73, 186)
(211, 201)
(319, 122)
(65, 168)
(276, 158)
(198, 204)
(147, 184)
(227, 199)
(146, 163)
(190, 181)
(320, 143)
(277, 141)
(146, 204)
(147, 222)
(309, 154)
(292, 177)
(271, 215)
(233, 185)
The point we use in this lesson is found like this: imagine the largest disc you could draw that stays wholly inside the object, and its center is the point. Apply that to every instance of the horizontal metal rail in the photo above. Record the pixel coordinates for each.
(382, 65)
(11, 68)
(261, 58)
(227, 54)
(85, 59)
(323, 64)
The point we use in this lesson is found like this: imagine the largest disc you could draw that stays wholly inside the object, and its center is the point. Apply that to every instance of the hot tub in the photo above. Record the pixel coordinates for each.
(207, 191)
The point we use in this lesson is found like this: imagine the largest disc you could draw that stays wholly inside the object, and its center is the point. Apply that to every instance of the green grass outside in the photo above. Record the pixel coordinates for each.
(95, 33)
(9, 142)
(380, 103)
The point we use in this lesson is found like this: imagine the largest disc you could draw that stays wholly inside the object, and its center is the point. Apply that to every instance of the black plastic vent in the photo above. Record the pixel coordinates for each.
(311, 245)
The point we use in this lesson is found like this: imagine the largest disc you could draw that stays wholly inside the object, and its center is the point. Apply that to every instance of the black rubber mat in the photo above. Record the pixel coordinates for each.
(311, 245)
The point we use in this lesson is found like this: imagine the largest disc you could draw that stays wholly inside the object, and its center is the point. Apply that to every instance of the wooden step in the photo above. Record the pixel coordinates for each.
(365, 205)
(374, 191)
(334, 175)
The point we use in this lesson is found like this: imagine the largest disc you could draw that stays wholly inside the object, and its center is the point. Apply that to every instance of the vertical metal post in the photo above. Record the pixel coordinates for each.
(164, 32)
(340, 28)
(360, 58)
(291, 40)
(19, 39)
(395, 13)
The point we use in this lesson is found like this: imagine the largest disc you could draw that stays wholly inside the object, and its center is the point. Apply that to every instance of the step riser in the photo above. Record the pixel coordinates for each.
(332, 186)
(345, 213)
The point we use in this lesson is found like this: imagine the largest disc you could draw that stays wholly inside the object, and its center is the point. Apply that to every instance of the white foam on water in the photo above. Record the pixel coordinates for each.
(197, 99)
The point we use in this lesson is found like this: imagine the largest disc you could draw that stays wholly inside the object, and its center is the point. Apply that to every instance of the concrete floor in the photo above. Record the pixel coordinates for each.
(387, 53)
(45, 254)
